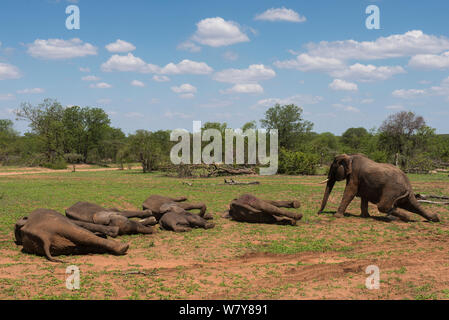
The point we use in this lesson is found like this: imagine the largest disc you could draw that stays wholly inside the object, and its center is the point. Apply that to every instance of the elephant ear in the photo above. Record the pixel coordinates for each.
(346, 161)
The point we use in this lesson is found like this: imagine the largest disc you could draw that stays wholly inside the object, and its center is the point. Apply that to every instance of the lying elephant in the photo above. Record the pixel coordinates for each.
(178, 219)
(92, 213)
(155, 202)
(47, 232)
(248, 208)
(379, 183)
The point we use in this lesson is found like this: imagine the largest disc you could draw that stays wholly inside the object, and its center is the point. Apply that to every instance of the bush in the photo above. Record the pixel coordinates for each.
(295, 162)
(57, 164)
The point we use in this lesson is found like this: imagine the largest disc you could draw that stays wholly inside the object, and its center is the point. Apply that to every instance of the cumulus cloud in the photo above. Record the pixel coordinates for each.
(345, 107)
(339, 84)
(230, 56)
(368, 72)
(128, 63)
(395, 107)
(254, 73)
(101, 85)
(137, 83)
(430, 61)
(394, 46)
(84, 69)
(171, 115)
(57, 49)
(184, 88)
(120, 46)
(280, 14)
(31, 91)
(299, 99)
(306, 62)
(217, 32)
(245, 88)
(160, 78)
(90, 78)
(8, 71)
(187, 67)
(189, 46)
(408, 93)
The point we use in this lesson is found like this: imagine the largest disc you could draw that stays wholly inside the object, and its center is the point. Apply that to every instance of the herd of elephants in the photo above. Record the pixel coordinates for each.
(86, 226)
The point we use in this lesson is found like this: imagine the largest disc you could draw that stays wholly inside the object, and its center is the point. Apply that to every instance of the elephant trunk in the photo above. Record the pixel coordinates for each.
(329, 187)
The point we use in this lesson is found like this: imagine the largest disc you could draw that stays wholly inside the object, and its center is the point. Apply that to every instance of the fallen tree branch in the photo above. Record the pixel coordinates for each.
(430, 196)
(433, 202)
(233, 182)
(151, 273)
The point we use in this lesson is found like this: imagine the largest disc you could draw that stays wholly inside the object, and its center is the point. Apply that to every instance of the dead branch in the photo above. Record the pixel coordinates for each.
(427, 197)
(233, 182)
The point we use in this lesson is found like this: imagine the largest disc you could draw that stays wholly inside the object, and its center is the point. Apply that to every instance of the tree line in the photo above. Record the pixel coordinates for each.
(68, 135)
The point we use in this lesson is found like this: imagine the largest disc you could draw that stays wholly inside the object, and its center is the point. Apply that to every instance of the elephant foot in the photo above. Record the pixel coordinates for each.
(121, 249)
(151, 221)
(339, 215)
(435, 218)
(207, 216)
(296, 204)
(391, 218)
(209, 225)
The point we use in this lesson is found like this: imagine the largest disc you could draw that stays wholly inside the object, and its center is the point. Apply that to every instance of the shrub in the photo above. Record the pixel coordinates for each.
(295, 162)
(57, 164)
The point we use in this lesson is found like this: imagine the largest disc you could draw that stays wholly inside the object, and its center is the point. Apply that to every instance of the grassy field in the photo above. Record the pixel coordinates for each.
(322, 257)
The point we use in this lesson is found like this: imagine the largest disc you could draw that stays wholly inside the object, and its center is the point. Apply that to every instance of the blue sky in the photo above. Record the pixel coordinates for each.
(228, 61)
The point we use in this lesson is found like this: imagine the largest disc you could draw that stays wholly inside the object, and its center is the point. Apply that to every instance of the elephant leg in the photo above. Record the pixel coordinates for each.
(87, 239)
(412, 205)
(127, 226)
(107, 230)
(284, 204)
(151, 221)
(197, 221)
(190, 206)
(285, 221)
(348, 196)
(136, 214)
(178, 199)
(389, 207)
(364, 208)
(273, 210)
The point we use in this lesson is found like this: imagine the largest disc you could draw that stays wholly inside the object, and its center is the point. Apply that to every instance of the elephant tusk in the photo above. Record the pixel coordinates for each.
(325, 181)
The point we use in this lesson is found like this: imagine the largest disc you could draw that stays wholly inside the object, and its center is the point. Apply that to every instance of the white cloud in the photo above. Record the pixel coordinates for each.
(120, 46)
(184, 88)
(299, 99)
(84, 69)
(134, 115)
(254, 73)
(104, 101)
(280, 14)
(137, 83)
(217, 32)
(187, 95)
(395, 107)
(394, 46)
(90, 78)
(31, 91)
(171, 115)
(230, 55)
(368, 72)
(55, 49)
(339, 84)
(6, 96)
(101, 85)
(408, 93)
(128, 63)
(8, 71)
(159, 78)
(189, 46)
(245, 88)
(345, 107)
(430, 61)
(306, 62)
(366, 101)
(187, 67)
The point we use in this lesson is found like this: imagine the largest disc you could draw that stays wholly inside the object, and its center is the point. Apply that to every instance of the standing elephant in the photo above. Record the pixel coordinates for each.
(47, 232)
(382, 184)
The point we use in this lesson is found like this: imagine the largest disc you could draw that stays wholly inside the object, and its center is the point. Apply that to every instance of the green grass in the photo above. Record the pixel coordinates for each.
(228, 240)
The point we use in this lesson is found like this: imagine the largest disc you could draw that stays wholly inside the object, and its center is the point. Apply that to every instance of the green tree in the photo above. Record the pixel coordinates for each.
(288, 120)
